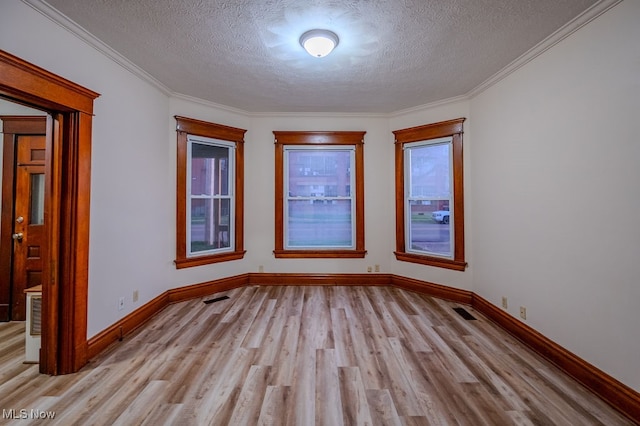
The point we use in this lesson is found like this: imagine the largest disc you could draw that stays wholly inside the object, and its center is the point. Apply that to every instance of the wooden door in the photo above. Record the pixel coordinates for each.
(28, 234)
(23, 160)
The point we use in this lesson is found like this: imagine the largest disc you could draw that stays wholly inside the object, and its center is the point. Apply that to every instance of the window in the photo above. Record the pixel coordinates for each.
(319, 194)
(429, 195)
(209, 193)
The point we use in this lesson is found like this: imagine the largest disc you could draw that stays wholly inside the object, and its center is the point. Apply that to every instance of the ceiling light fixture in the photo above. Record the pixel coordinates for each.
(319, 43)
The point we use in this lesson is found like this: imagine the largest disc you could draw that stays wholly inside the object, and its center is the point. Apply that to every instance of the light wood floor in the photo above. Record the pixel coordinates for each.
(305, 356)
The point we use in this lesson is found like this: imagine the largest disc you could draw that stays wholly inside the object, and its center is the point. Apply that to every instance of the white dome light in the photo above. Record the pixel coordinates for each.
(319, 43)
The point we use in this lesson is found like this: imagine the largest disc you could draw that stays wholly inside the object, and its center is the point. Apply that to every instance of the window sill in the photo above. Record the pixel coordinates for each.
(188, 262)
(456, 265)
(309, 254)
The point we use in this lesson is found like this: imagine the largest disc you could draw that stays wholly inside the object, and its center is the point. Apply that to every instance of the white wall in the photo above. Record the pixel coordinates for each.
(556, 192)
(11, 108)
(132, 187)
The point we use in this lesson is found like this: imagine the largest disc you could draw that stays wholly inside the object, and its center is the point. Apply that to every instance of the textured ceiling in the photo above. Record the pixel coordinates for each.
(393, 54)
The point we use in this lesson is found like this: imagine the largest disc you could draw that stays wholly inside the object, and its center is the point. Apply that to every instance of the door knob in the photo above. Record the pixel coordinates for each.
(18, 236)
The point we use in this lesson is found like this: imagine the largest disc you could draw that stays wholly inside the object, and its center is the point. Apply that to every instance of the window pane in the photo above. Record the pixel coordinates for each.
(430, 171)
(210, 224)
(36, 215)
(319, 223)
(319, 173)
(429, 227)
(209, 169)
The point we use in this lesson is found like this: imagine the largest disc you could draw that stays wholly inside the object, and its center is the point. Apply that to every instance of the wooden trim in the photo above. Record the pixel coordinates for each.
(68, 169)
(239, 198)
(330, 138)
(318, 138)
(203, 289)
(189, 126)
(51, 351)
(38, 87)
(399, 177)
(440, 262)
(320, 254)
(360, 247)
(210, 130)
(432, 289)
(617, 394)
(279, 200)
(451, 128)
(188, 262)
(74, 189)
(458, 198)
(181, 200)
(6, 221)
(24, 124)
(304, 279)
(429, 131)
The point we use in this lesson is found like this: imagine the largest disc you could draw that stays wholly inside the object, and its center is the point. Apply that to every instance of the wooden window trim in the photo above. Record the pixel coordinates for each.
(185, 127)
(283, 138)
(452, 128)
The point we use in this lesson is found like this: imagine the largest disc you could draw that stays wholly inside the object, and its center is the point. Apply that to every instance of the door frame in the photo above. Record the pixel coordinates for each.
(67, 192)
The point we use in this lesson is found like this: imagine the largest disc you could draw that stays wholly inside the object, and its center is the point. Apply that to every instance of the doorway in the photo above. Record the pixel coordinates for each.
(22, 225)
(67, 177)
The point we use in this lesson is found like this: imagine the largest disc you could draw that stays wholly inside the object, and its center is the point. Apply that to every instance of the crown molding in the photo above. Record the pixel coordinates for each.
(319, 114)
(267, 114)
(430, 105)
(565, 31)
(52, 14)
(208, 104)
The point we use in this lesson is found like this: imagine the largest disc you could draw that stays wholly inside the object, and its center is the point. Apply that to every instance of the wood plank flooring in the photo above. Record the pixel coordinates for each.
(304, 355)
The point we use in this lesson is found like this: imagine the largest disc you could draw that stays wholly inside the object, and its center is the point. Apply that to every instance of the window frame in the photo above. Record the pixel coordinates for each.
(331, 139)
(231, 148)
(403, 137)
(186, 127)
(288, 150)
(409, 197)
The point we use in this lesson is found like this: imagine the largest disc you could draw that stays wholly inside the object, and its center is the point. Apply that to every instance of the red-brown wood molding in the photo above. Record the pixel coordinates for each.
(67, 205)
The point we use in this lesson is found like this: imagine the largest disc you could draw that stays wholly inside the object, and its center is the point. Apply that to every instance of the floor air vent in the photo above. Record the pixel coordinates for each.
(217, 299)
(464, 314)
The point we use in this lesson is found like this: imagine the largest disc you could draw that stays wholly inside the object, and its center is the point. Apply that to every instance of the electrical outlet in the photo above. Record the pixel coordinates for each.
(504, 302)
(368, 268)
(523, 312)
(121, 303)
(377, 268)
(261, 268)
(134, 298)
